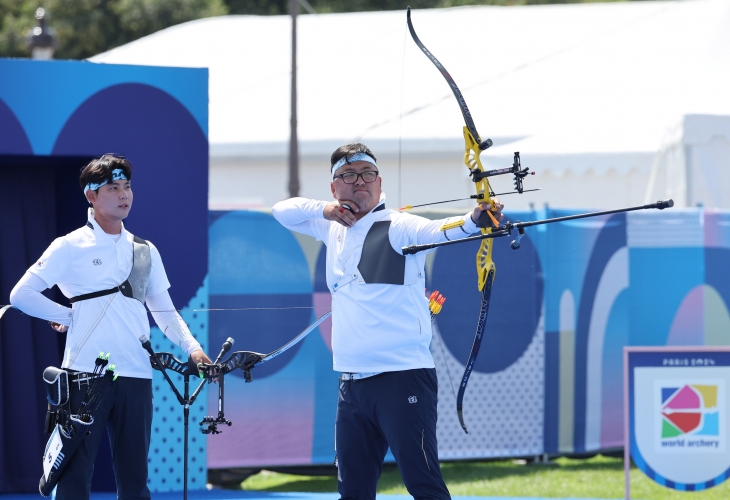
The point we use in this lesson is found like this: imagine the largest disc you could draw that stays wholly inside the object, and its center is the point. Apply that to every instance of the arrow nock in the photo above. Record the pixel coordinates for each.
(436, 302)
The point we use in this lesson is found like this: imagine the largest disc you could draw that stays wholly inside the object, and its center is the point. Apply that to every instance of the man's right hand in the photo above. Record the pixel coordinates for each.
(338, 212)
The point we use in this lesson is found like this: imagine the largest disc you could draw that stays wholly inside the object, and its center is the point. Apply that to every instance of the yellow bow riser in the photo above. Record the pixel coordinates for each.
(473, 162)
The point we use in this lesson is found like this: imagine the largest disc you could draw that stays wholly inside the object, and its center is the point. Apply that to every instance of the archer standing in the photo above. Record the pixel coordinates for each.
(108, 274)
(381, 325)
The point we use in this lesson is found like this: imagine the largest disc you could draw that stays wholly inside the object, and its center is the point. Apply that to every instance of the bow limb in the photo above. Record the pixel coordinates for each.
(247, 360)
(296, 339)
(486, 269)
(483, 311)
(457, 93)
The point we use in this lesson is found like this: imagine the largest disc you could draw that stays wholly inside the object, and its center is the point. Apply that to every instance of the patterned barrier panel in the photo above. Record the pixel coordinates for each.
(548, 379)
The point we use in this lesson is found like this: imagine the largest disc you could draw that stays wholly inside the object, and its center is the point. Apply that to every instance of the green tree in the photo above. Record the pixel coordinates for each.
(16, 18)
(274, 7)
(258, 7)
(88, 27)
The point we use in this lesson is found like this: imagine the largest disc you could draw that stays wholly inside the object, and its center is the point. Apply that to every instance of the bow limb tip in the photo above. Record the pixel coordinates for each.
(485, 144)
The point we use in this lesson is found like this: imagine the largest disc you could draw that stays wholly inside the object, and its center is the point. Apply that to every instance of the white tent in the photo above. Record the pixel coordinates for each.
(693, 164)
(585, 92)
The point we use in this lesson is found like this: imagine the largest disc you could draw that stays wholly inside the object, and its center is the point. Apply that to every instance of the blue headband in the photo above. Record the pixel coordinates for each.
(117, 175)
(356, 157)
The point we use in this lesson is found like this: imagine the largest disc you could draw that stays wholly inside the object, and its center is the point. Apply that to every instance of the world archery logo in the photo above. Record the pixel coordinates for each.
(690, 417)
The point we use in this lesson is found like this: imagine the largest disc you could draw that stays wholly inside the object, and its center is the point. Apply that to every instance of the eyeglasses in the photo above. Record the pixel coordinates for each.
(351, 177)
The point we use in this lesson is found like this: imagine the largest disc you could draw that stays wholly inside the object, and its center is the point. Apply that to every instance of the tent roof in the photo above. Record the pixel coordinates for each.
(607, 77)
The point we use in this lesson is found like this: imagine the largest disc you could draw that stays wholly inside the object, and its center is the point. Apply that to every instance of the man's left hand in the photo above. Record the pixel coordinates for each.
(495, 207)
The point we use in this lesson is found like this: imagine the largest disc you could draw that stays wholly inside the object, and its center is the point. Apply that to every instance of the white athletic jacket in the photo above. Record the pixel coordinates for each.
(380, 316)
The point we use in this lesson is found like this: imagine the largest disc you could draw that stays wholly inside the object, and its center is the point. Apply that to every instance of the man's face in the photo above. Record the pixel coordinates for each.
(365, 194)
(114, 200)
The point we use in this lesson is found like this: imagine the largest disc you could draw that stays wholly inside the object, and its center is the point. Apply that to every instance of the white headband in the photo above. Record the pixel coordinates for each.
(356, 157)
(117, 175)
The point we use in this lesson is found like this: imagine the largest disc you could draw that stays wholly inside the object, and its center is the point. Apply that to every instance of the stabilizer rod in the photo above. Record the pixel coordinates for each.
(507, 228)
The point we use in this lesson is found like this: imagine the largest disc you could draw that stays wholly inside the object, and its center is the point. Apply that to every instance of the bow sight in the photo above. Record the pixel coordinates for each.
(243, 360)
(516, 170)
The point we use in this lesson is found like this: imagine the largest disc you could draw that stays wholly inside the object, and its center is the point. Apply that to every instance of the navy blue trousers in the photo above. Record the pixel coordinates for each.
(126, 412)
(396, 410)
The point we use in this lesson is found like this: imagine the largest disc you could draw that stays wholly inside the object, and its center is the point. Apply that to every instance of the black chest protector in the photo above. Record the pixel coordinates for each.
(135, 286)
(379, 262)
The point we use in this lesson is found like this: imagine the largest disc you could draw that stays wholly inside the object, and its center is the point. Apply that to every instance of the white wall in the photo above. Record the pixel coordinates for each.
(259, 182)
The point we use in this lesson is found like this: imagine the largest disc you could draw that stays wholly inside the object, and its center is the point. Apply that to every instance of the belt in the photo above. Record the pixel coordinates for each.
(357, 376)
(80, 377)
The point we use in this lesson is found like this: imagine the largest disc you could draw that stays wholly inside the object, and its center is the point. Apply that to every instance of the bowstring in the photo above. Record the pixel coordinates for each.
(219, 309)
(446, 360)
(242, 309)
(400, 119)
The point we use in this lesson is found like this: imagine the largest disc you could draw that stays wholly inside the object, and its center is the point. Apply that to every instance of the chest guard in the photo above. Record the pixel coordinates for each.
(135, 286)
(379, 262)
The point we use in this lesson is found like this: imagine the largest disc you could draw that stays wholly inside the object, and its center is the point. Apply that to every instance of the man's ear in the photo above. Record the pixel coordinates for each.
(332, 187)
(91, 196)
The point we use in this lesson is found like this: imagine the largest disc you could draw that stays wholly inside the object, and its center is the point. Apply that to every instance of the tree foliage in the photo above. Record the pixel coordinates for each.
(88, 27)
(274, 7)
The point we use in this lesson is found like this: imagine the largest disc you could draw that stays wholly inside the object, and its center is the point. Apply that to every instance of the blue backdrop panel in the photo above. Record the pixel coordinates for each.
(42, 95)
(611, 238)
(261, 296)
(59, 114)
(515, 307)
(13, 139)
(563, 307)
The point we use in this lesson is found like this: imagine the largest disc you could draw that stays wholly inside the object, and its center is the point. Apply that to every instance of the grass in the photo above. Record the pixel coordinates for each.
(598, 477)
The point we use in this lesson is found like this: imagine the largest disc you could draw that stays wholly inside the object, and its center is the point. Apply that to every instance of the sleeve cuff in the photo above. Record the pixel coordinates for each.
(319, 210)
(192, 347)
(469, 225)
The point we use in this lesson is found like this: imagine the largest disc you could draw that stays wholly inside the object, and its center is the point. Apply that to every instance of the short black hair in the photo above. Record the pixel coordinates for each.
(347, 151)
(99, 170)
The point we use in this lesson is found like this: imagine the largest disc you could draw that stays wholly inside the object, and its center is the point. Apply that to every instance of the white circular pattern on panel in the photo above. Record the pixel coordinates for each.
(503, 411)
